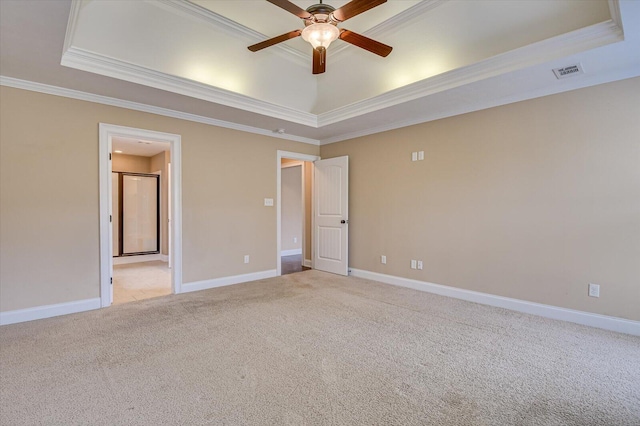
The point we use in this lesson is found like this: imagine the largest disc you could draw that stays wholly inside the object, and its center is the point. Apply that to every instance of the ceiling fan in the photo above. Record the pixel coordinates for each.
(321, 28)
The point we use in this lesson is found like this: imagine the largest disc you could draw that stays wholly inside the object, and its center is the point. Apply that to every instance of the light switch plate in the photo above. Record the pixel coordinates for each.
(268, 202)
(413, 264)
(420, 155)
(419, 264)
(414, 156)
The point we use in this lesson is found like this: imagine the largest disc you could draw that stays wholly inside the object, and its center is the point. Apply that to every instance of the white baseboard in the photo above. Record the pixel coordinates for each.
(224, 281)
(164, 257)
(580, 317)
(291, 252)
(125, 260)
(48, 311)
(307, 263)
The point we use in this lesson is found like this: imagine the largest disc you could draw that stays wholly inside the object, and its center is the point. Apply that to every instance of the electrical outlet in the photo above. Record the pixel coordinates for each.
(246, 258)
(268, 202)
(414, 156)
(383, 259)
(295, 239)
(414, 264)
(594, 290)
(419, 264)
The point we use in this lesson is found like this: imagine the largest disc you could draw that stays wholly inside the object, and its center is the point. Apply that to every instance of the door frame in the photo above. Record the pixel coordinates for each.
(291, 156)
(106, 134)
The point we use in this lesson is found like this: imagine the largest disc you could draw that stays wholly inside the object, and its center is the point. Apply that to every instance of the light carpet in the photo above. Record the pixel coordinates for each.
(315, 349)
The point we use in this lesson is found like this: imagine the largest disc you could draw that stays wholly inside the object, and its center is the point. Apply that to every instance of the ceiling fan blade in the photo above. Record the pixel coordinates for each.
(355, 7)
(290, 7)
(319, 60)
(365, 43)
(275, 40)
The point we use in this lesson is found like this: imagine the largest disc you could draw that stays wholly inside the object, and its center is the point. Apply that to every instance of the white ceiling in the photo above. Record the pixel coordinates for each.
(189, 59)
(143, 148)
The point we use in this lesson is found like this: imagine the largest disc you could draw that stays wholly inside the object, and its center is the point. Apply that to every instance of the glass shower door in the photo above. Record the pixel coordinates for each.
(140, 214)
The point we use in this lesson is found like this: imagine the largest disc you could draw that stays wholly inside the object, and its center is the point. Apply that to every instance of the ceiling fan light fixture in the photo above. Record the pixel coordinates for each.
(320, 34)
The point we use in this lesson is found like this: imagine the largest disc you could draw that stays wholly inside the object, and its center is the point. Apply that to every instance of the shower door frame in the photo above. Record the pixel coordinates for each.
(120, 213)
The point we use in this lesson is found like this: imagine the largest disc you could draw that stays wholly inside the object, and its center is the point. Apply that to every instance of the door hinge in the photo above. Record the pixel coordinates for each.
(109, 156)
(111, 281)
(110, 218)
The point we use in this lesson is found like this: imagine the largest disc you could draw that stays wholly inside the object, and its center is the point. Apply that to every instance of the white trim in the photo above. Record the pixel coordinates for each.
(106, 133)
(164, 258)
(72, 23)
(225, 281)
(126, 260)
(105, 170)
(279, 156)
(614, 10)
(291, 252)
(620, 325)
(135, 106)
(48, 311)
(85, 60)
(580, 40)
(307, 263)
(563, 45)
(481, 104)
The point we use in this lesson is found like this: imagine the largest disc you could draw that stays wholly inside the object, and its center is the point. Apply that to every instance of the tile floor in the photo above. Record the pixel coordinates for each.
(137, 281)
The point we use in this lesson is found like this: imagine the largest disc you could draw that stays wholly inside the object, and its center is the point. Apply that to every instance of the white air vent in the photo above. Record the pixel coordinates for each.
(568, 71)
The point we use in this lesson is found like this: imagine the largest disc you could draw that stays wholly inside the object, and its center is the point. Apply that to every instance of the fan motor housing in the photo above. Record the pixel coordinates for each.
(321, 13)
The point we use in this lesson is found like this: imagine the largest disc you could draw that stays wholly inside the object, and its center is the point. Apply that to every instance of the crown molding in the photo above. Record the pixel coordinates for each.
(563, 45)
(567, 85)
(89, 61)
(233, 28)
(614, 10)
(105, 100)
(576, 41)
(74, 14)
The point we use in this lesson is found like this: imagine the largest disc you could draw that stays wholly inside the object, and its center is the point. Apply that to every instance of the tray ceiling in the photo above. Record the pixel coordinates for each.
(449, 57)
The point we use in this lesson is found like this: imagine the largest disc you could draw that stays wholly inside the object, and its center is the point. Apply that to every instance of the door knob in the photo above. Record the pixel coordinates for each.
(344, 221)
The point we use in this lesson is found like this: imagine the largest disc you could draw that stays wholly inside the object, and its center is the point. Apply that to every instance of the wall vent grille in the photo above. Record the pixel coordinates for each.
(568, 71)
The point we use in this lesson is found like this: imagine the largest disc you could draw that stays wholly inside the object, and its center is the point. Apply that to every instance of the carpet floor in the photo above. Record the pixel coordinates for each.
(315, 349)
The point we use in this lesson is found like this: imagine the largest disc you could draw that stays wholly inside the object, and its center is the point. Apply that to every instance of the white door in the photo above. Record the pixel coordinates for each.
(331, 217)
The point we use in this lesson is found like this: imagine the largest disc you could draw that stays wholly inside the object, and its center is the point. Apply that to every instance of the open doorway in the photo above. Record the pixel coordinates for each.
(294, 215)
(140, 226)
(140, 214)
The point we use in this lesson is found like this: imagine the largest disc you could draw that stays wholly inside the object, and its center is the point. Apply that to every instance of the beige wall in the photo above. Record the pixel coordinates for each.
(291, 208)
(226, 175)
(160, 162)
(532, 200)
(131, 163)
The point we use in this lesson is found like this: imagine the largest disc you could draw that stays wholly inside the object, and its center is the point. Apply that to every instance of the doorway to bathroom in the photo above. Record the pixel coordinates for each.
(138, 206)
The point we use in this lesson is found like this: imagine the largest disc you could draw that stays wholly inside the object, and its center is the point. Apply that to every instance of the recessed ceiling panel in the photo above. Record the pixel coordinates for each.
(271, 20)
(199, 49)
(454, 35)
